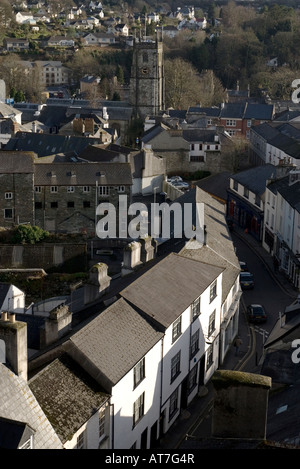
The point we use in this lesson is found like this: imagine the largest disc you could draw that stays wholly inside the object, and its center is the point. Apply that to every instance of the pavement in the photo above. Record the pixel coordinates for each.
(200, 407)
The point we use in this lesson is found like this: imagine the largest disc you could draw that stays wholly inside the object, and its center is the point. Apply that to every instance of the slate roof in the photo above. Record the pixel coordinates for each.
(287, 144)
(48, 144)
(16, 162)
(170, 287)
(291, 130)
(255, 178)
(287, 115)
(8, 111)
(162, 138)
(265, 130)
(99, 341)
(232, 111)
(208, 111)
(259, 111)
(82, 174)
(17, 402)
(286, 137)
(199, 135)
(68, 395)
(219, 249)
(291, 193)
(98, 154)
(237, 110)
(177, 113)
(89, 79)
(274, 186)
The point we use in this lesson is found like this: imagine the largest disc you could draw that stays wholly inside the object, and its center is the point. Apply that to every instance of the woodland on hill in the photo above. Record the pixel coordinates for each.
(236, 46)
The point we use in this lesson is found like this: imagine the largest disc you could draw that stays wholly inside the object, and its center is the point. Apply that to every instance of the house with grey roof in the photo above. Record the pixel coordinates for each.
(236, 117)
(23, 423)
(246, 196)
(12, 44)
(121, 350)
(182, 297)
(59, 407)
(49, 144)
(99, 39)
(74, 402)
(188, 148)
(276, 143)
(282, 224)
(59, 41)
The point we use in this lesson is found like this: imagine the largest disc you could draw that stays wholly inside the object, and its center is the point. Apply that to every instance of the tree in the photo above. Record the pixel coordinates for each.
(211, 89)
(6, 15)
(182, 84)
(277, 82)
(12, 72)
(120, 74)
(30, 234)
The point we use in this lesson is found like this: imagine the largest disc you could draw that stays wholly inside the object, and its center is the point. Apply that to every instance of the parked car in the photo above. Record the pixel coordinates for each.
(246, 280)
(256, 313)
(174, 179)
(181, 185)
(244, 267)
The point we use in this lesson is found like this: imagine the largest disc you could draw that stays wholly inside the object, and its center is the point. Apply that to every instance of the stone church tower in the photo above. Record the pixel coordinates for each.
(147, 78)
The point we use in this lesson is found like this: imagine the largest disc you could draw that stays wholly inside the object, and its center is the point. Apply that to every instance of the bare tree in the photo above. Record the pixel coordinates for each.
(182, 84)
(212, 91)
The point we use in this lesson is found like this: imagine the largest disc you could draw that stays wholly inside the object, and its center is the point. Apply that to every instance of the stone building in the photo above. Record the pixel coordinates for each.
(147, 78)
(16, 188)
(58, 196)
(67, 194)
(189, 150)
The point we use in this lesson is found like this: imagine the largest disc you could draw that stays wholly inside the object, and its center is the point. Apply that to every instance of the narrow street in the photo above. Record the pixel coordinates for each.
(268, 292)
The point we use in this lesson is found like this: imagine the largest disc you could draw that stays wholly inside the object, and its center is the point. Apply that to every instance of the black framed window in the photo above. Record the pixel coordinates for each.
(176, 329)
(139, 372)
(194, 347)
(213, 291)
(175, 366)
(173, 404)
(138, 409)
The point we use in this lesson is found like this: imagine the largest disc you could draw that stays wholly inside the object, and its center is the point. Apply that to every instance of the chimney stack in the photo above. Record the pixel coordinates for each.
(14, 335)
(240, 405)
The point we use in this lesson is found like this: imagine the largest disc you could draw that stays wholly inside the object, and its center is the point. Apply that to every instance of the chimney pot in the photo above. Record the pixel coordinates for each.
(4, 316)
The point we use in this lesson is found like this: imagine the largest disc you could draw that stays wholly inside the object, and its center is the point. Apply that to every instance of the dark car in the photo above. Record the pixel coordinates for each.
(243, 266)
(256, 313)
(246, 280)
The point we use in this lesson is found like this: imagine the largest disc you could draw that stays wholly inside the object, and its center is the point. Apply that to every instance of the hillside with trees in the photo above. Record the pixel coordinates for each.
(236, 46)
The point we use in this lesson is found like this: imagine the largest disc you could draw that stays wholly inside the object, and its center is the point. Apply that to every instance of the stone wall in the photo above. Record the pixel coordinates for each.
(16, 196)
(178, 162)
(46, 256)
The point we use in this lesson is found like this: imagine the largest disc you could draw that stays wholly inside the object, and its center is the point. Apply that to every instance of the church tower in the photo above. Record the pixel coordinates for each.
(147, 78)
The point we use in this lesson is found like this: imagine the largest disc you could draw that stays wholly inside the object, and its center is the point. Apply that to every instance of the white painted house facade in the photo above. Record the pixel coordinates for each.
(11, 298)
(190, 319)
(282, 224)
